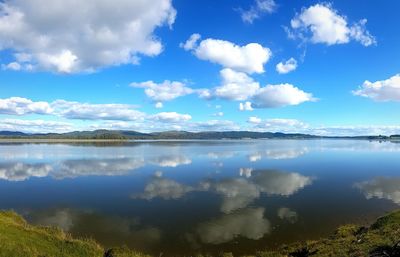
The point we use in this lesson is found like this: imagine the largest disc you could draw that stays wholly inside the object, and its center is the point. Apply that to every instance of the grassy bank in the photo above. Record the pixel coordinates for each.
(19, 239)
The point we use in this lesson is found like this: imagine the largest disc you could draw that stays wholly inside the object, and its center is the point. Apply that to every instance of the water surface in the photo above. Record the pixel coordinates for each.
(180, 197)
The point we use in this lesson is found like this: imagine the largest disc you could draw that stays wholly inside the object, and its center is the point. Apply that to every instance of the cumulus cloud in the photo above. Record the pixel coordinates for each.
(381, 90)
(273, 96)
(75, 36)
(86, 111)
(259, 8)
(321, 23)
(278, 125)
(249, 223)
(171, 117)
(70, 109)
(159, 105)
(236, 86)
(22, 106)
(213, 125)
(254, 120)
(15, 66)
(286, 67)
(246, 106)
(191, 43)
(249, 58)
(35, 126)
(165, 91)
(382, 188)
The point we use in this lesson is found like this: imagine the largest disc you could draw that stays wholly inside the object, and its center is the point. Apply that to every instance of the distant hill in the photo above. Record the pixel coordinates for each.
(129, 134)
(12, 133)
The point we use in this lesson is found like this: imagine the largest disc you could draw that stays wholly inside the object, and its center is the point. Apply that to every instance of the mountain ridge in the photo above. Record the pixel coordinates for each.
(131, 135)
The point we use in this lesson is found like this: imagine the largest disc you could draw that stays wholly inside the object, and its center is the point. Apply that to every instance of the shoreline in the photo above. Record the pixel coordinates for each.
(19, 238)
(72, 140)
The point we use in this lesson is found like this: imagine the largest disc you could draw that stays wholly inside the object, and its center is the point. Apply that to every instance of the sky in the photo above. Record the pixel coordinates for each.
(318, 67)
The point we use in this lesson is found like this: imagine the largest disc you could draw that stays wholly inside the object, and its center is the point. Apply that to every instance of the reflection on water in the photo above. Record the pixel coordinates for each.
(248, 223)
(382, 188)
(201, 196)
(115, 228)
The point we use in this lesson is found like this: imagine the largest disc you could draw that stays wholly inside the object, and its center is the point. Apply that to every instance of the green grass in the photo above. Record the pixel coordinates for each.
(19, 239)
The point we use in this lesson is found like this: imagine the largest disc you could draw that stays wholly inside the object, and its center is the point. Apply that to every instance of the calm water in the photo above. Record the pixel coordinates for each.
(185, 197)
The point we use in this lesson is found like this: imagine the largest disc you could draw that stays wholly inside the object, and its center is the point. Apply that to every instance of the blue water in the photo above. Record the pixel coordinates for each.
(181, 197)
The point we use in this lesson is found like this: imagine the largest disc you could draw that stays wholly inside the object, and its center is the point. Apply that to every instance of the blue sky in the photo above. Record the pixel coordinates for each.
(316, 67)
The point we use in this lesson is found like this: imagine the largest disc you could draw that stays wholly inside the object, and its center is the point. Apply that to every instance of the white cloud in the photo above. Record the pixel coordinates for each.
(86, 111)
(191, 43)
(75, 36)
(249, 58)
(171, 117)
(279, 125)
(70, 110)
(280, 95)
(254, 120)
(35, 126)
(249, 223)
(218, 114)
(15, 66)
(288, 66)
(236, 86)
(165, 91)
(159, 105)
(257, 9)
(321, 23)
(382, 188)
(381, 90)
(213, 125)
(357, 130)
(246, 106)
(361, 34)
(22, 106)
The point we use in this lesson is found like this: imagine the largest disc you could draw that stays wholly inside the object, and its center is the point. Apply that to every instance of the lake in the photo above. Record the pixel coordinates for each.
(182, 197)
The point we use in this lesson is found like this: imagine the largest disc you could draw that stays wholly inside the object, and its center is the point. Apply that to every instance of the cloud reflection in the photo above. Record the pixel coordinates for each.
(285, 213)
(19, 171)
(171, 160)
(382, 188)
(249, 223)
(108, 229)
(163, 188)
